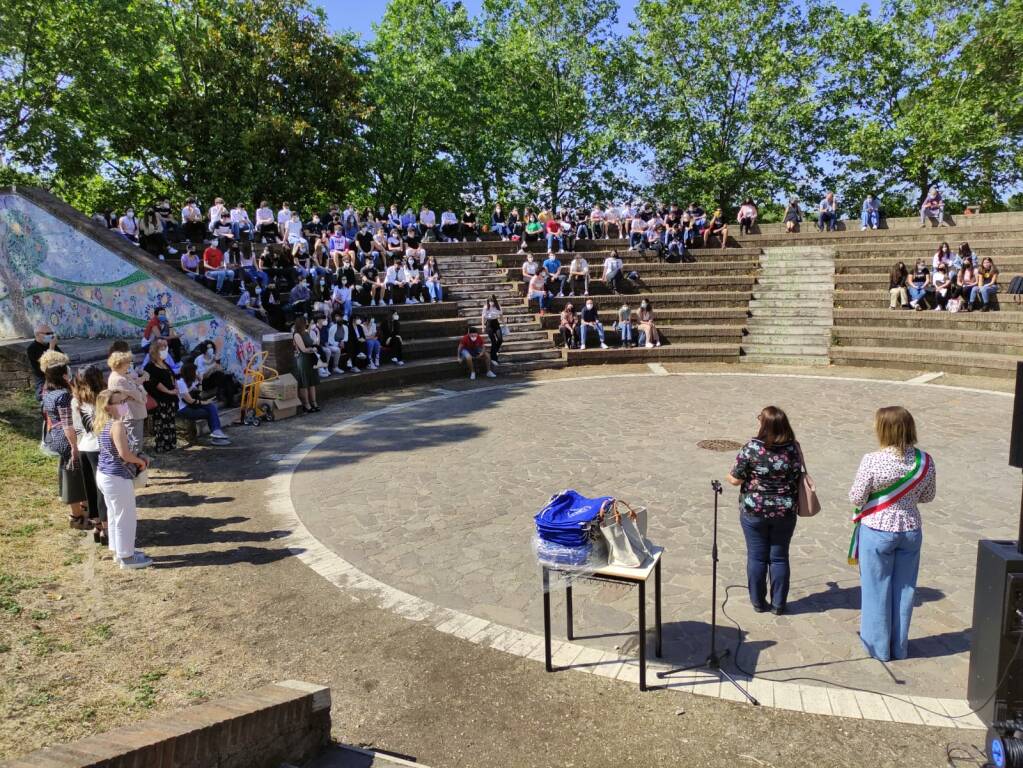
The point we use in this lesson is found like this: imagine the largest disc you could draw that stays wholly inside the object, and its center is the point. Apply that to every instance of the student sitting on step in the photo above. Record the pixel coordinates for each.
(919, 285)
(897, 292)
(624, 326)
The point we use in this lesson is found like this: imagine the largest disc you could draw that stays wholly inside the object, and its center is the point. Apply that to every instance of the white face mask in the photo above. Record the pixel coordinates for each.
(589, 305)
(162, 354)
(209, 354)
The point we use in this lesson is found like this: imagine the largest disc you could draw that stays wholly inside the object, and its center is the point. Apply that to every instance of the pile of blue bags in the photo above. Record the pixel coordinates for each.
(563, 528)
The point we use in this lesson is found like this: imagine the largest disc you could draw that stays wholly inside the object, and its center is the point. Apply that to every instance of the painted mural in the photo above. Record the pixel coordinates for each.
(52, 273)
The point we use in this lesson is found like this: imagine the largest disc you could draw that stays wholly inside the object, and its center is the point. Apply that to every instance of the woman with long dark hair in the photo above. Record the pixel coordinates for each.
(491, 322)
(768, 470)
(162, 388)
(85, 387)
(898, 295)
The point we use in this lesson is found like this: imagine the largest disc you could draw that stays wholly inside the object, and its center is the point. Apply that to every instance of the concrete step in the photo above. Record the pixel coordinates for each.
(697, 353)
(789, 350)
(766, 359)
(1001, 322)
(985, 342)
(967, 364)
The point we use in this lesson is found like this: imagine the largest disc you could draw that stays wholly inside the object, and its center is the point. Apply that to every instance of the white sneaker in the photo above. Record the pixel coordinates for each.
(873, 226)
(338, 371)
(582, 346)
(863, 229)
(390, 302)
(410, 301)
(136, 561)
(171, 250)
(400, 362)
(373, 303)
(649, 345)
(394, 360)
(657, 343)
(372, 366)
(361, 355)
(219, 434)
(350, 366)
(472, 376)
(491, 375)
(324, 373)
(603, 345)
(356, 304)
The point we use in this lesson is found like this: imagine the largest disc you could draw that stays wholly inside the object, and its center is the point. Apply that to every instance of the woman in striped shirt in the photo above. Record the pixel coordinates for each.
(889, 485)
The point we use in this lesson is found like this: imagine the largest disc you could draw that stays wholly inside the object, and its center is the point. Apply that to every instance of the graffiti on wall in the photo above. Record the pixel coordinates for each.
(52, 273)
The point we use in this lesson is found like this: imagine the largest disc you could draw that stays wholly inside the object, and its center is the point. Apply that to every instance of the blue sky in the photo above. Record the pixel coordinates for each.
(359, 15)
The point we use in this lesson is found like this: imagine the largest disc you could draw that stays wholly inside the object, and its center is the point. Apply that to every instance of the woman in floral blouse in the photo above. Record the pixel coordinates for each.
(768, 469)
(889, 485)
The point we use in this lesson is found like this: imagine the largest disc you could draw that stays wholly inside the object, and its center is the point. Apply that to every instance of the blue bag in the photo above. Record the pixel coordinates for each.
(567, 517)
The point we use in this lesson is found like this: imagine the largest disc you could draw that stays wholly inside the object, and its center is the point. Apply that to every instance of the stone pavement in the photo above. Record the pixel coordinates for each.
(436, 499)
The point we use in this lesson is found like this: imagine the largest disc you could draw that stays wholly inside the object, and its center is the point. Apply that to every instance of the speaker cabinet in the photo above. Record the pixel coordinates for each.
(996, 632)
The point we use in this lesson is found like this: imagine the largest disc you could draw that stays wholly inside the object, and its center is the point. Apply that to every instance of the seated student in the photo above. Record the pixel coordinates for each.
(212, 374)
(318, 336)
(213, 261)
(557, 275)
(393, 218)
(251, 265)
(414, 279)
(128, 226)
(827, 213)
(449, 226)
(567, 326)
(898, 294)
(192, 226)
(944, 256)
(919, 285)
(472, 351)
(653, 240)
(190, 263)
(342, 294)
(151, 236)
(159, 327)
(595, 226)
(222, 231)
(966, 283)
(554, 234)
(241, 224)
(534, 228)
(747, 216)
(942, 287)
(590, 322)
(193, 407)
(870, 213)
(793, 215)
(648, 333)
(579, 276)
(337, 342)
(612, 220)
(624, 326)
(266, 224)
(987, 284)
(408, 221)
(499, 222)
(372, 284)
(396, 283)
(338, 245)
(470, 230)
(933, 208)
(697, 218)
(427, 224)
(637, 234)
(250, 301)
(537, 289)
(393, 340)
(395, 244)
(569, 224)
(716, 228)
(299, 297)
(675, 240)
(529, 268)
(613, 272)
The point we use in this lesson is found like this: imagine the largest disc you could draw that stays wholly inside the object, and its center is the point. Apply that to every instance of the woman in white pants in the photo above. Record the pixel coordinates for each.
(115, 478)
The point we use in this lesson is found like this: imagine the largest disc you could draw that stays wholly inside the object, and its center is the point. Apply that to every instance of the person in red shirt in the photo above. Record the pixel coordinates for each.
(472, 348)
(213, 260)
(554, 234)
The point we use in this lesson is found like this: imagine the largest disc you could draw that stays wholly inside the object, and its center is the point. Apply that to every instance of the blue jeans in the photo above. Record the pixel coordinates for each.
(237, 228)
(373, 351)
(540, 297)
(207, 413)
(220, 275)
(551, 239)
(583, 328)
(767, 549)
(500, 230)
(889, 563)
(916, 293)
(869, 219)
(257, 275)
(435, 290)
(635, 240)
(985, 294)
(827, 221)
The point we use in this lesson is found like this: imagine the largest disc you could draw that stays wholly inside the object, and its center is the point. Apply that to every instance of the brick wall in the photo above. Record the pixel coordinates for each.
(284, 722)
(14, 370)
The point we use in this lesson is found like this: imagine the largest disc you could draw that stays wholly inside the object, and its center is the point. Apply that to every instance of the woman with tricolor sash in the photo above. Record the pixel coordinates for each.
(887, 534)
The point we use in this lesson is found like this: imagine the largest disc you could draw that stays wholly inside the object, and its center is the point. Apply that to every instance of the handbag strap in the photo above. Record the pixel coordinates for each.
(802, 461)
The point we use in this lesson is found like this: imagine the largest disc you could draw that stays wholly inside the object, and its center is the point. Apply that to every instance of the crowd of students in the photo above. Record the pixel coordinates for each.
(953, 281)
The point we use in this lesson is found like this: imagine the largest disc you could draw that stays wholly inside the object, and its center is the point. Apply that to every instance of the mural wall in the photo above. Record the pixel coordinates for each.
(52, 273)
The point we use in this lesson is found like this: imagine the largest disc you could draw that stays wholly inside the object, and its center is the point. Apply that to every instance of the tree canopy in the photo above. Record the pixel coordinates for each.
(551, 101)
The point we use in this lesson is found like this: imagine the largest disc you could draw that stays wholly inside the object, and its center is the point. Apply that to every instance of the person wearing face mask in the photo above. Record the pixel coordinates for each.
(357, 348)
(431, 279)
(133, 411)
(251, 265)
(491, 322)
(647, 330)
(590, 322)
(61, 439)
(193, 405)
(128, 226)
(396, 283)
(161, 387)
(159, 326)
(336, 342)
(392, 339)
(415, 281)
(394, 218)
(341, 295)
(213, 376)
(373, 346)
(45, 339)
(472, 351)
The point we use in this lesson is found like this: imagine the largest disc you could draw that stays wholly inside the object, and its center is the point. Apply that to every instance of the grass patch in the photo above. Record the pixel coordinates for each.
(98, 633)
(145, 691)
(39, 615)
(198, 695)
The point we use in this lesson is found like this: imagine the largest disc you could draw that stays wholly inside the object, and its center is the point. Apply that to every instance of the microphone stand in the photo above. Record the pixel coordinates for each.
(713, 662)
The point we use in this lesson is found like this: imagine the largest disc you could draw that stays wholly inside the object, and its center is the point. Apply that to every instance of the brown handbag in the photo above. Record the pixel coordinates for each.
(807, 504)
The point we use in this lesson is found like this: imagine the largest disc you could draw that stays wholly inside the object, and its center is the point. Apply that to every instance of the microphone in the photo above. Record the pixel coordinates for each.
(716, 486)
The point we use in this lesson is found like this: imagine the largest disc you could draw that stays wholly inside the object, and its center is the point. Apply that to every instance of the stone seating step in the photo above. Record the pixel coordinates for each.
(881, 265)
(793, 350)
(695, 353)
(810, 235)
(848, 299)
(1001, 322)
(663, 299)
(988, 342)
(878, 281)
(768, 359)
(727, 316)
(675, 334)
(966, 364)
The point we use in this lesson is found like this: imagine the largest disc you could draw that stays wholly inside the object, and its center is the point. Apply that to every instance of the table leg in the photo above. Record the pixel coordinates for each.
(642, 635)
(547, 619)
(568, 609)
(657, 604)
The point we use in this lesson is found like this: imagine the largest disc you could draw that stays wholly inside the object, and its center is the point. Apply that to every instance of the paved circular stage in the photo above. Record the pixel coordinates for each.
(434, 497)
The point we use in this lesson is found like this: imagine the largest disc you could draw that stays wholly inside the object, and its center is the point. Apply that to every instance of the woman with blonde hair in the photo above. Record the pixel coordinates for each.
(115, 478)
(889, 485)
(133, 407)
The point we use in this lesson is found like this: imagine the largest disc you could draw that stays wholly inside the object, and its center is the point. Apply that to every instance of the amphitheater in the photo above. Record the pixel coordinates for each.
(801, 320)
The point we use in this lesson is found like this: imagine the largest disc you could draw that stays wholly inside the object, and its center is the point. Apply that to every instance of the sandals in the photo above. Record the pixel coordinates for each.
(79, 522)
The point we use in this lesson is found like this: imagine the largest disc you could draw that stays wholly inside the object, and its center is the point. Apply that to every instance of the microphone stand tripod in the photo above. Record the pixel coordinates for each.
(713, 662)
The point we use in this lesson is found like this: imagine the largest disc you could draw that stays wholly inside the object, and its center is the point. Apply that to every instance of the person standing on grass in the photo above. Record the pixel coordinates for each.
(85, 388)
(163, 390)
(890, 485)
(61, 439)
(115, 479)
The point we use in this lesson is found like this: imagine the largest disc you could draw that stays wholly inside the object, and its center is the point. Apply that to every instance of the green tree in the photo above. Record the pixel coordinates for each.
(726, 97)
(553, 63)
(921, 113)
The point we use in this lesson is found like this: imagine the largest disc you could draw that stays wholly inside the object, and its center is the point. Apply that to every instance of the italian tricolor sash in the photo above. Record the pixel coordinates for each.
(885, 497)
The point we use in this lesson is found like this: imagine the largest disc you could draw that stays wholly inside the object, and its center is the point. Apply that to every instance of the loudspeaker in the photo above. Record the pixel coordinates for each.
(995, 686)
(1016, 441)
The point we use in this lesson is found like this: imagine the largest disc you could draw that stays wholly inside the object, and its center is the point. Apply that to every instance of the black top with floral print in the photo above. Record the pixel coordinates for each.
(770, 479)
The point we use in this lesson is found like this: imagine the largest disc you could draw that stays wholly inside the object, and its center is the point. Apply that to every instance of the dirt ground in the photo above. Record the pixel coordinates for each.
(85, 647)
